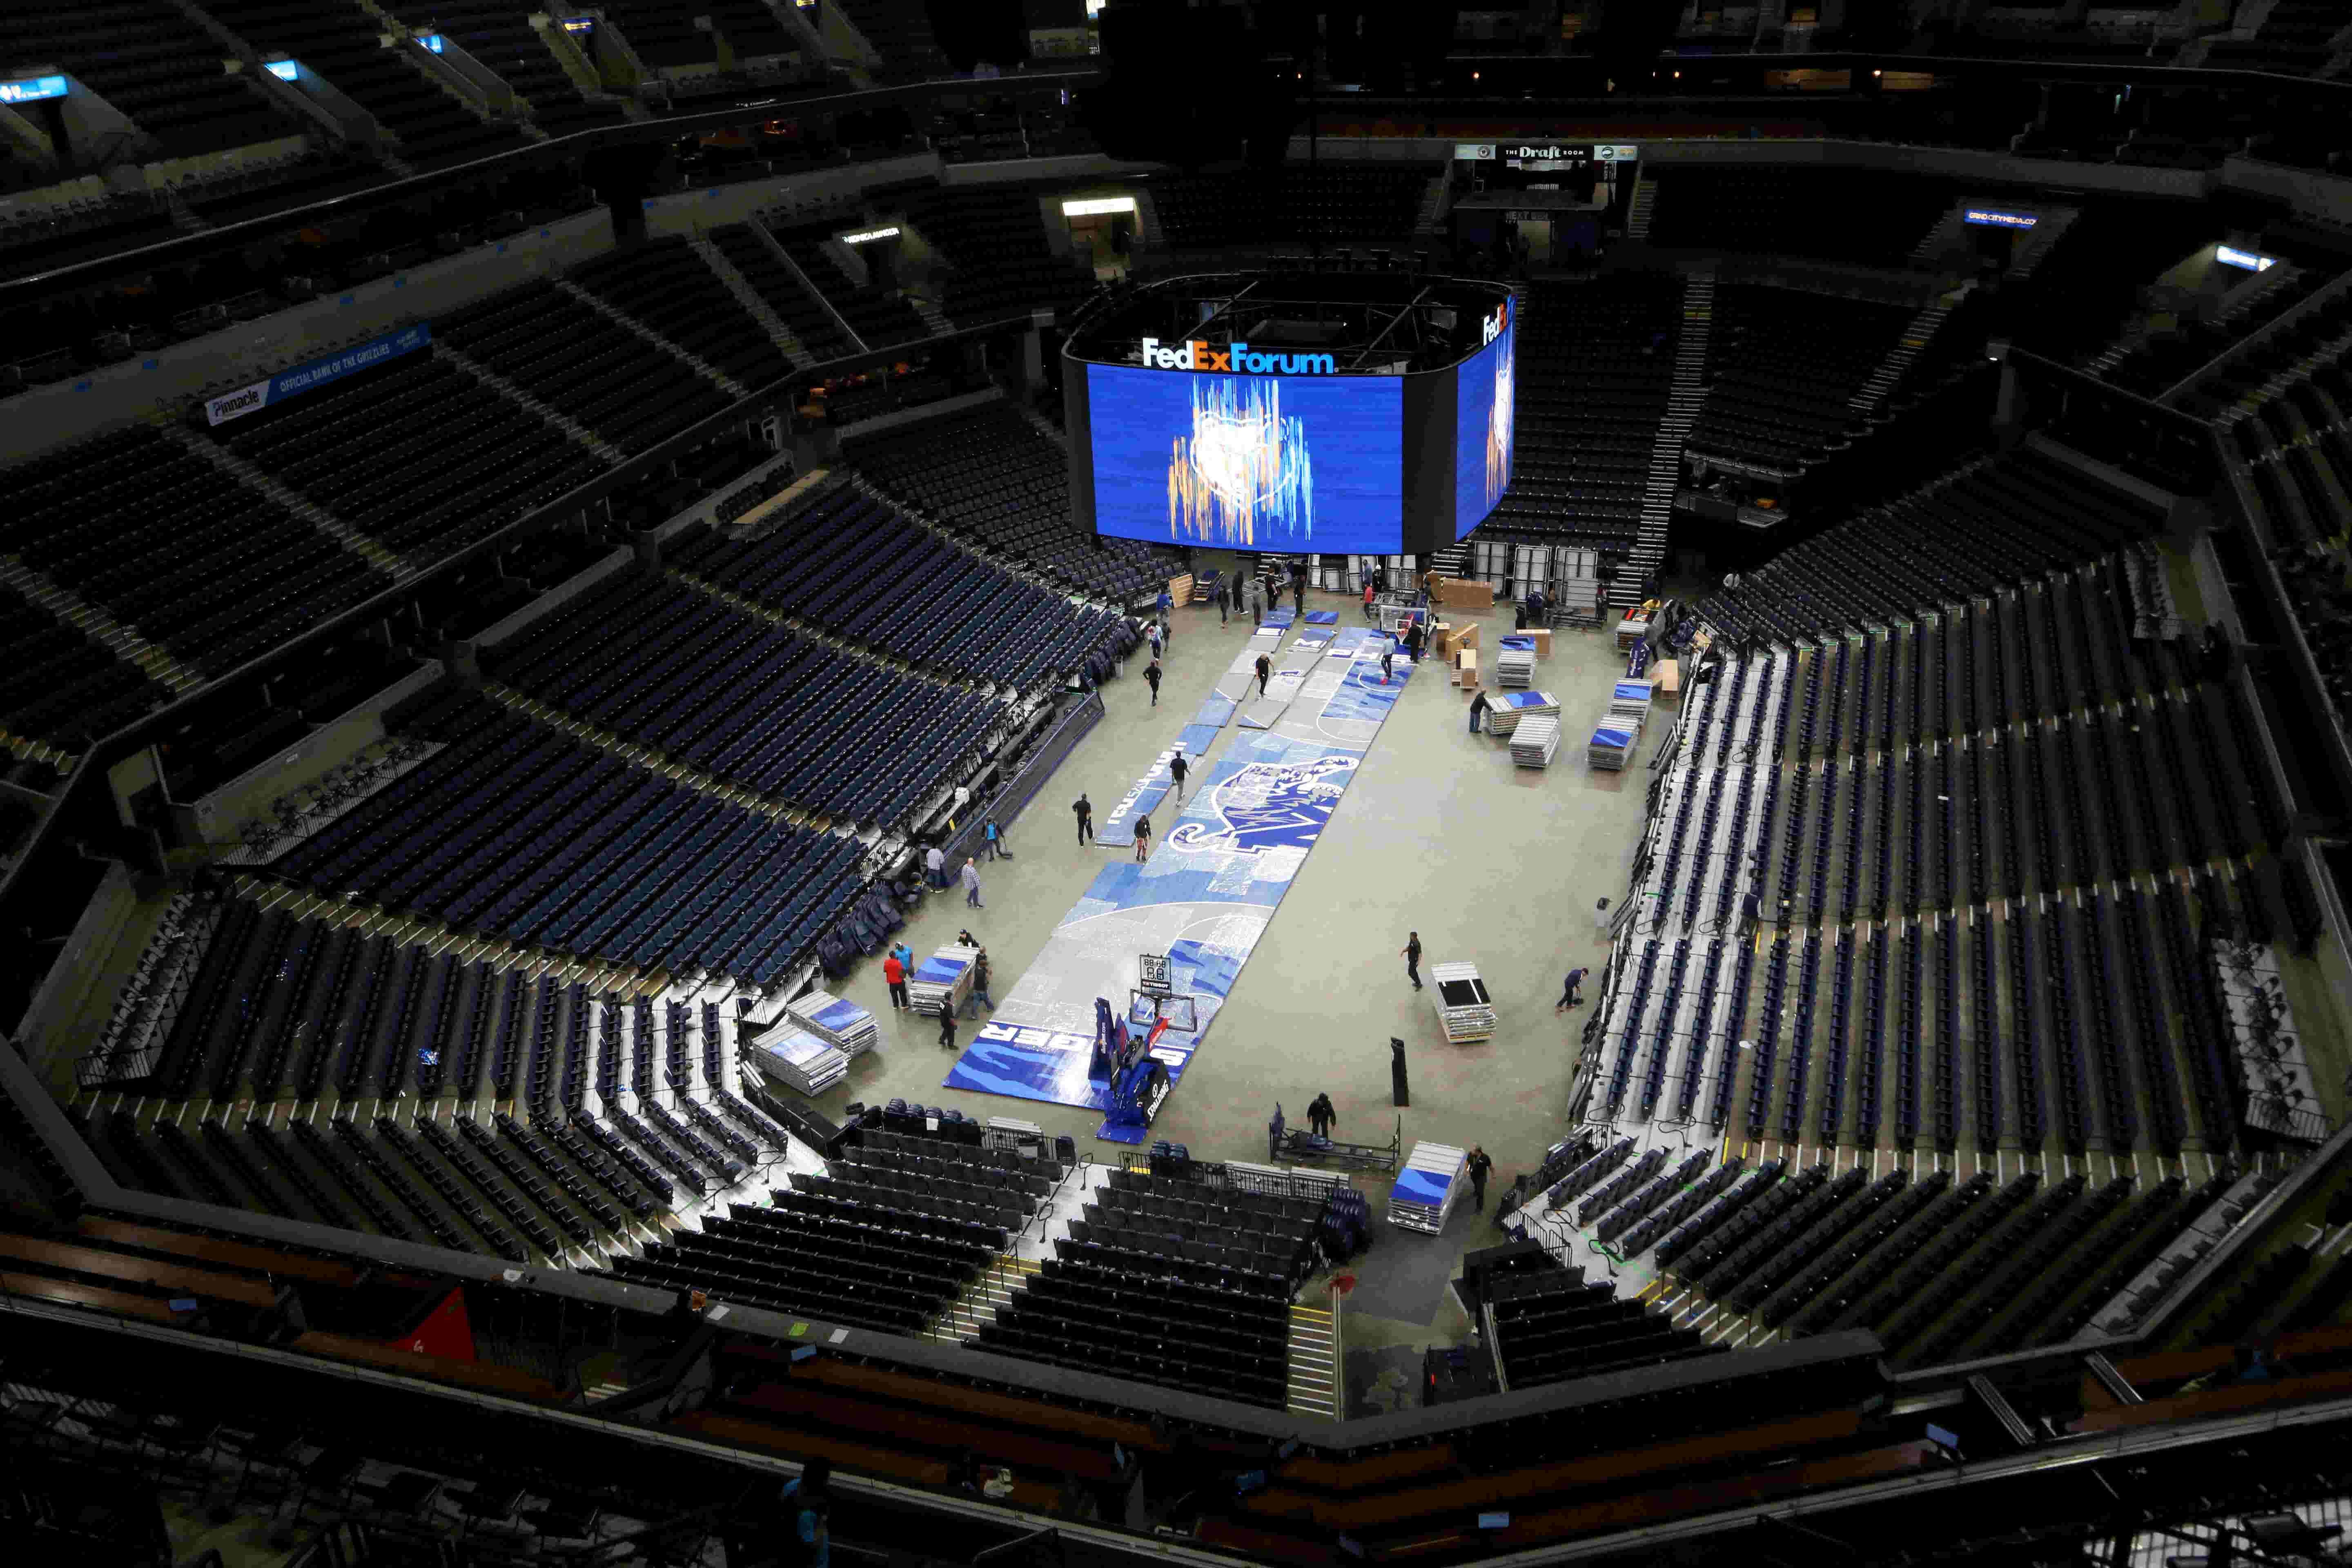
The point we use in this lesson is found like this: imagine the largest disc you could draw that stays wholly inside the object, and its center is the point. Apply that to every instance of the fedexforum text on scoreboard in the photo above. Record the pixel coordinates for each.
(1235, 357)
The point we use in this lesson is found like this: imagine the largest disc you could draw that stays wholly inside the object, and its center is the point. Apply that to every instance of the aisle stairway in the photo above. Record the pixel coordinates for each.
(779, 333)
(727, 383)
(1644, 204)
(555, 417)
(990, 1292)
(1315, 1349)
(1921, 330)
(1687, 394)
(2035, 248)
(1432, 208)
(360, 544)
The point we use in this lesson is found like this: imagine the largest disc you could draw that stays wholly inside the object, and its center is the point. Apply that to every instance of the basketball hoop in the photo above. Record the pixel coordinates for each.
(1154, 1003)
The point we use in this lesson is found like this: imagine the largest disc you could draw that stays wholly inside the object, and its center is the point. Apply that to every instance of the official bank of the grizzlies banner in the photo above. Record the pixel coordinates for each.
(301, 378)
(1214, 880)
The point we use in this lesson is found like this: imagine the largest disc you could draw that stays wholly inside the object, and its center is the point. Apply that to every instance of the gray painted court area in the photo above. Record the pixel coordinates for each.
(1439, 833)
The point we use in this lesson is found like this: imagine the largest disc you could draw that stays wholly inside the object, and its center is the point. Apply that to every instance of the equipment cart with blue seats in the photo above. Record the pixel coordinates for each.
(1426, 1188)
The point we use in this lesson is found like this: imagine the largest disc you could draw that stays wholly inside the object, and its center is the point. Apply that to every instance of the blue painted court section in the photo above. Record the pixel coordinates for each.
(1216, 711)
(1197, 739)
(1278, 618)
(842, 1016)
(1363, 696)
(1415, 1186)
(1216, 876)
(1144, 799)
(1204, 899)
(940, 970)
(1322, 617)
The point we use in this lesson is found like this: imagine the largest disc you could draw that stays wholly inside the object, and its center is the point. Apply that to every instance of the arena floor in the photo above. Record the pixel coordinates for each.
(1433, 835)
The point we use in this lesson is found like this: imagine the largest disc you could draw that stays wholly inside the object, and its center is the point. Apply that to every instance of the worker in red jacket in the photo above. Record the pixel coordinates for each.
(895, 973)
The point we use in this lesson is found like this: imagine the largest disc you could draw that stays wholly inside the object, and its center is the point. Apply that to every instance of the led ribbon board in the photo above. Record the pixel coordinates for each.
(317, 372)
(32, 88)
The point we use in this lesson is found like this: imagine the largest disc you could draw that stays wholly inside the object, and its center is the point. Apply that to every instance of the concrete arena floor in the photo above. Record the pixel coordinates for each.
(1439, 833)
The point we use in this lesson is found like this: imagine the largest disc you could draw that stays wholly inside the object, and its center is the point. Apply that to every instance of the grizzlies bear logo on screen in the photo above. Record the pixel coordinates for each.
(1269, 805)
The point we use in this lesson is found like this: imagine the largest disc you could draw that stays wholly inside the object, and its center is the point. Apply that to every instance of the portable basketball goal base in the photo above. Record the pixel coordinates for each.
(1138, 1081)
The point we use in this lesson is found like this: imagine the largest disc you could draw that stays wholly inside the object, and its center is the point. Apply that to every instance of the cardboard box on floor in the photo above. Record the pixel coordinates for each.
(1453, 639)
(1460, 593)
(1465, 669)
(1543, 639)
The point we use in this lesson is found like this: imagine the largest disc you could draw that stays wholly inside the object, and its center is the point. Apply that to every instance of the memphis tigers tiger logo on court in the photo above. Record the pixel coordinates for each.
(1269, 805)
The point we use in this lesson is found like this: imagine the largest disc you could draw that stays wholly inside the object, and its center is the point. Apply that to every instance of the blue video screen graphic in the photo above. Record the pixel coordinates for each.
(1487, 389)
(1249, 462)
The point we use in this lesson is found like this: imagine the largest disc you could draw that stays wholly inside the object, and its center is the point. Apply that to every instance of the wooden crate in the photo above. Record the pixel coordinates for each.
(1462, 594)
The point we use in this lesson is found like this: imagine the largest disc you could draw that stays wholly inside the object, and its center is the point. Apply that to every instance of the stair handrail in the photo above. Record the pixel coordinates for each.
(1043, 1533)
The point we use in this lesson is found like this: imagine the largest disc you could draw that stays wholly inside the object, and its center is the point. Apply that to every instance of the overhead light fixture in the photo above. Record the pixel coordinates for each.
(1099, 207)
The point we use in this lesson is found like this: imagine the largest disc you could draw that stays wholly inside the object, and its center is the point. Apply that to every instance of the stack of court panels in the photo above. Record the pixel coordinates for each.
(800, 1060)
(1614, 740)
(1535, 741)
(1425, 1189)
(1504, 713)
(1464, 1011)
(1630, 700)
(842, 1025)
(943, 981)
(1514, 662)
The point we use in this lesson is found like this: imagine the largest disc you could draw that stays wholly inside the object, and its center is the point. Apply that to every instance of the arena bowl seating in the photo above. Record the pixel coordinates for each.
(1928, 1045)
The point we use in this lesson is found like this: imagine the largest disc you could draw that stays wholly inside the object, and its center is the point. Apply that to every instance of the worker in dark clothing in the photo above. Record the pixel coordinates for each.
(1142, 839)
(1321, 1115)
(1414, 640)
(1388, 661)
(1567, 996)
(1478, 706)
(1224, 601)
(947, 1026)
(1477, 1165)
(1176, 768)
(1412, 950)
(1264, 669)
(1084, 809)
(1298, 596)
(1151, 677)
(1274, 1136)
